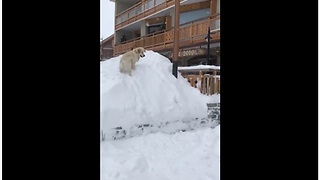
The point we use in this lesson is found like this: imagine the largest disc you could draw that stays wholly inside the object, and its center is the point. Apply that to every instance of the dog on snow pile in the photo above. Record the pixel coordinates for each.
(130, 58)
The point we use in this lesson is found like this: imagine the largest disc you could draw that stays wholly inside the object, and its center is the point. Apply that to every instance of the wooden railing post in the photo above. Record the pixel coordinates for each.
(191, 38)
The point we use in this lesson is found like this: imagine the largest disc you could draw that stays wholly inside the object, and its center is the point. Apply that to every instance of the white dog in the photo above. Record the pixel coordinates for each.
(129, 60)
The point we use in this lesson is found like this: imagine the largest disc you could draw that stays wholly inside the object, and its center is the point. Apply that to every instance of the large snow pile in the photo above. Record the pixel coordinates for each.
(185, 155)
(151, 95)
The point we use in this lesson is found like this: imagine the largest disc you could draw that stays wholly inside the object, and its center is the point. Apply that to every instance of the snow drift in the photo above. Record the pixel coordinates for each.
(151, 95)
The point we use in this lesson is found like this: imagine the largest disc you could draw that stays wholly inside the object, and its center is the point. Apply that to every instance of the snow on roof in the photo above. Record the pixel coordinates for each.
(107, 39)
(199, 67)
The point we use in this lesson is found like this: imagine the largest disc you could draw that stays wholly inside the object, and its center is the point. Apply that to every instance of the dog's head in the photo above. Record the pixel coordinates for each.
(140, 51)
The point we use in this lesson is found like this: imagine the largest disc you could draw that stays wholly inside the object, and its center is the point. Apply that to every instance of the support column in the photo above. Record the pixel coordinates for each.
(143, 28)
(176, 39)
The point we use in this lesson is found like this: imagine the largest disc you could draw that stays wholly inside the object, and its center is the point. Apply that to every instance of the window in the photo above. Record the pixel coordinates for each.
(149, 4)
(156, 28)
(159, 2)
(118, 20)
(132, 13)
(139, 9)
(193, 15)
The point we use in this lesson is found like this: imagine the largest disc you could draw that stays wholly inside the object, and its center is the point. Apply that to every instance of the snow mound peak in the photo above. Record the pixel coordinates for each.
(151, 95)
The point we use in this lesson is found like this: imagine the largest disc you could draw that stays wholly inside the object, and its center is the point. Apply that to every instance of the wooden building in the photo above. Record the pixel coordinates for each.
(106, 48)
(149, 23)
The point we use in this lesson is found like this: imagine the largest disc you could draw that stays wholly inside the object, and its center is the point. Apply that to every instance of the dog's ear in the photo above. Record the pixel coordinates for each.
(139, 50)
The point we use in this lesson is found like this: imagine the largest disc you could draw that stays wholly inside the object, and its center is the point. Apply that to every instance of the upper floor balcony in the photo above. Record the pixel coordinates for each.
(144, 9)
(190, 34)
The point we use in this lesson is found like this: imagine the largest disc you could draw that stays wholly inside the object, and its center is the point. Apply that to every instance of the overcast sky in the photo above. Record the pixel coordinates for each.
(106, 18)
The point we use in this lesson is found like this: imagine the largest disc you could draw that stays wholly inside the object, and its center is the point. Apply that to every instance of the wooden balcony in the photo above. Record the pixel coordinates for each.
(192, 33)
(141, 10)
(207, 84)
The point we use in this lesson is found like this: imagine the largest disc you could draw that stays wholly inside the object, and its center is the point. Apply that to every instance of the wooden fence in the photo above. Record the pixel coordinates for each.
(207, 84)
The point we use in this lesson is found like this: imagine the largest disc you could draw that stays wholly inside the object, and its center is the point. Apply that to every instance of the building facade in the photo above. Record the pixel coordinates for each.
(106, 48)
(150, 23)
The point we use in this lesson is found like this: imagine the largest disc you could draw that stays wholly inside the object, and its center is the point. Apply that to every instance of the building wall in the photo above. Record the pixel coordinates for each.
(218, 11)
(189, 13)
(107, 49)
(107, 54)
(143, 28)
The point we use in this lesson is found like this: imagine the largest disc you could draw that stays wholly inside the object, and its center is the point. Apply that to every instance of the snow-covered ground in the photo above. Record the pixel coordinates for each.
(190, 155)
(153, 95)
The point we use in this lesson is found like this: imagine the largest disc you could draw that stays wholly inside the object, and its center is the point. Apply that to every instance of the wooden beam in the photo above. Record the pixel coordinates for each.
(168, 23)
(213, 7)
(195, 6)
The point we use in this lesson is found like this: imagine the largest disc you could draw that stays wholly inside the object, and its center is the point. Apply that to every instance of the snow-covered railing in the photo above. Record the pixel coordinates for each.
(199, 68)
(215, 30)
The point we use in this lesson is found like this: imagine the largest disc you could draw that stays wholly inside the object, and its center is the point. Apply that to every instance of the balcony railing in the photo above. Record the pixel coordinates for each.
(206, 80)
(189, 34)
(141, 10)
(207, 84)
